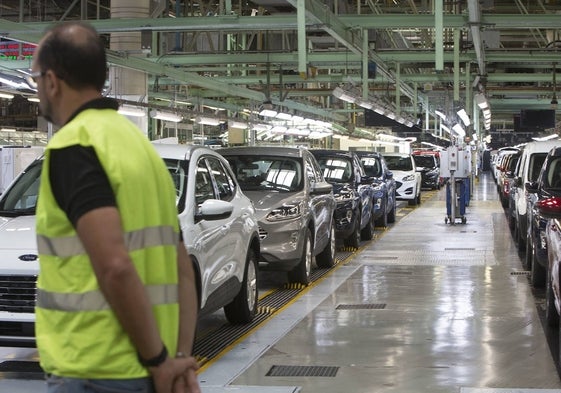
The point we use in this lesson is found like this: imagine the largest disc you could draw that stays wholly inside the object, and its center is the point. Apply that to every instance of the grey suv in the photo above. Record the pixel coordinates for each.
(294, 207)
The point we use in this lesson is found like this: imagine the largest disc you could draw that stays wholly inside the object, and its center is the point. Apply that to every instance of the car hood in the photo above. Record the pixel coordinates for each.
(264, 202)
(18, 245)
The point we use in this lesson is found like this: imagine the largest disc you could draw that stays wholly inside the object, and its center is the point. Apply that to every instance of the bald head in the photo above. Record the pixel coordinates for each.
(75, 53)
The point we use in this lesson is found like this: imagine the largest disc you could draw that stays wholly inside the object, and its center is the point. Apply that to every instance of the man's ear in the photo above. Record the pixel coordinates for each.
(51, 83)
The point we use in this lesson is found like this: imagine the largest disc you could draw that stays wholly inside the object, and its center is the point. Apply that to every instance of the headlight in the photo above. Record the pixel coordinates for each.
(344, 196)
(285, 212)
(409, 178)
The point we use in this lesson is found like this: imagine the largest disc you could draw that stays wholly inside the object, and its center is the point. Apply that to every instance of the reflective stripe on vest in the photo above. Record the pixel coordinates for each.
(66, 247)
(95, 301)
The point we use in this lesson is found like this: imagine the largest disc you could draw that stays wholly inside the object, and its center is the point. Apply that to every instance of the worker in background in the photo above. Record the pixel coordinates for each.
(116, 299)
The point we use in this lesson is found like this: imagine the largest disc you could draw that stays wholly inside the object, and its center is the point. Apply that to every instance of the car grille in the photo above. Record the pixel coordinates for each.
(18, 293)
(262, 233)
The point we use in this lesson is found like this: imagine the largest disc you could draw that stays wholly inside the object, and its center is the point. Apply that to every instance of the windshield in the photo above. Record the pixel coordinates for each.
(265, 173)
(399, 163)
(335, 169)
(178, 172)
(21, 198)
(425, 161)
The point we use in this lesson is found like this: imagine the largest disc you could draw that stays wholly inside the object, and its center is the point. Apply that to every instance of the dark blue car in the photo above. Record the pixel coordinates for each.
(384, 186)
(353, 193)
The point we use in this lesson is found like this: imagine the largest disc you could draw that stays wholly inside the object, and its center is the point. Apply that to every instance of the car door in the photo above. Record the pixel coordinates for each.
(214, 243)
(365, 191)
(321, 204)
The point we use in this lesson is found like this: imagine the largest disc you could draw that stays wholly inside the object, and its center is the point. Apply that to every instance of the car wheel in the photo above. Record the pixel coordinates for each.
(326, 258)
(391, 214)
(538, 275)
(383, 220)
(367, 232)
(419, 198)
(301, 272)
(244, 306)
(354, 239)
(412, 202)
(551, 315)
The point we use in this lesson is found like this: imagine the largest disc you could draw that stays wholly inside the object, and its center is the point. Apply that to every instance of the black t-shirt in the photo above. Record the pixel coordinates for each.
(78, 181)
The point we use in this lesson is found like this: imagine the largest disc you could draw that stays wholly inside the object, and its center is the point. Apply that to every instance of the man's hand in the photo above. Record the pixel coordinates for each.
(176, 375)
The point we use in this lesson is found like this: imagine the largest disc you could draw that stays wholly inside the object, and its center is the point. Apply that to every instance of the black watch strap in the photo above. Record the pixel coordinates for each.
(156, 360)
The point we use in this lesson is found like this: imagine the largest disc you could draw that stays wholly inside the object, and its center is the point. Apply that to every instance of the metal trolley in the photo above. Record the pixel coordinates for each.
(456, 168)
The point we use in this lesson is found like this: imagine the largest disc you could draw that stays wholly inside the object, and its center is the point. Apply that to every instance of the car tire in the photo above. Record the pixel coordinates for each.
(300, 274)
(244, 306)
(326, 258)
(383, 220)
(391, 214)
(367, 233)
(412, 202)
(551, 315)
(354, 238)
(419, 198)
(528, 253)
(538, 275)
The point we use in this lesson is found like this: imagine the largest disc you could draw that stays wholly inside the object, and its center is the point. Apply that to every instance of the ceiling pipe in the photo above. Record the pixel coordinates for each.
(475, 26)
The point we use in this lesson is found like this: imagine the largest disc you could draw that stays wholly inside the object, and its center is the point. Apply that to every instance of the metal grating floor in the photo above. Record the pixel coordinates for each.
(302, 371)
(369, 306)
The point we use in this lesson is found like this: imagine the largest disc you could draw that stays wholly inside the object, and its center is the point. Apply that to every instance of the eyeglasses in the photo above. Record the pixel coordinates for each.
(31, 78)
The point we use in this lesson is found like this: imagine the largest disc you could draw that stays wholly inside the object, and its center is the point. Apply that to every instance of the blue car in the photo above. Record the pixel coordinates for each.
(384, 187)
(354, 220)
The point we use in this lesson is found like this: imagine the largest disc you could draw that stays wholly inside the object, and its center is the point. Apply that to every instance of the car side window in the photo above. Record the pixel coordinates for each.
(224, 182)
(203, 183)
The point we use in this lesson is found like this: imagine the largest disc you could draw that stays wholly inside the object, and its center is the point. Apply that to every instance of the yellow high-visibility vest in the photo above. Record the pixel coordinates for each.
(77, 333)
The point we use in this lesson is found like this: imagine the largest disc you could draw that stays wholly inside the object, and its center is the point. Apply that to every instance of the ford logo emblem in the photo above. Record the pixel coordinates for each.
(28, 257)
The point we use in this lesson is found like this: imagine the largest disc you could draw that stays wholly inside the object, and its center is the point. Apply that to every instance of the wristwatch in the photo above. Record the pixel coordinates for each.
(156, 360)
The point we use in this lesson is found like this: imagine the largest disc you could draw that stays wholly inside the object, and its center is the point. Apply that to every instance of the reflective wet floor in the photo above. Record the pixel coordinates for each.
(425, 307)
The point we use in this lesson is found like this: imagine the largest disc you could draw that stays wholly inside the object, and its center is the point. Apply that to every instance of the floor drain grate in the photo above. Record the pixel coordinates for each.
(20, 366)
(460, 249)
(368, 306)
(520, 273)
(302, 371)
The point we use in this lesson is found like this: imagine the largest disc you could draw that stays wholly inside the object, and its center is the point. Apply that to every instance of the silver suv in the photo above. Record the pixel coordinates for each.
(295, 207)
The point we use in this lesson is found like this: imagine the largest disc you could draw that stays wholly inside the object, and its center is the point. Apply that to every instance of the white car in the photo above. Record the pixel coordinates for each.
(219, 230)
(407, 177)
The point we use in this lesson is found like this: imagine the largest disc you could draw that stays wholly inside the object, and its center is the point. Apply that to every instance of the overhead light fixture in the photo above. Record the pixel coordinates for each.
(464, 116)
(6, 95)
(133, 111)
(168, 116)
(366, 104)
(268, 113)
(481, 101)
(8, 129)
(546, 138)
(283, 116)
(458, 129)
(209, 121)
(237, 124)
(440, 114)
(33, 99)
(343, 95)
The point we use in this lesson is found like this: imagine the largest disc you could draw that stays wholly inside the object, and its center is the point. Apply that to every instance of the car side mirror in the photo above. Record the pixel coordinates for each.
(389, 175)
(319, 188)
(214, 209)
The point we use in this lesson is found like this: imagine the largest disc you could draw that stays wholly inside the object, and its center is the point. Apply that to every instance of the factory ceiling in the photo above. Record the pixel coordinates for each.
(409, 54)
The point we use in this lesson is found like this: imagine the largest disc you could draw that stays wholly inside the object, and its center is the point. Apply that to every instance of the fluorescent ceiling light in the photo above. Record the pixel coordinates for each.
(6, 95)
(168, 116)
(366, 104)
(458, 129)
(442, 126)
(284, 116)
(268, 113)
(133, 111)
(33, 99)
(464, 116)
(343, 95)
(546, 138)
(237, 124)
(210, 121)
(440, 114)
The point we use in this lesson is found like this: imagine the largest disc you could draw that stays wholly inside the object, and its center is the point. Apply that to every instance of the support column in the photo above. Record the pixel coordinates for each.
(128, 84)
